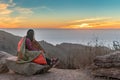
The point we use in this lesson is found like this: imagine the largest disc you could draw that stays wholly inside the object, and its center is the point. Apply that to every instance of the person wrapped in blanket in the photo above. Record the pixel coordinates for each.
(29, 50)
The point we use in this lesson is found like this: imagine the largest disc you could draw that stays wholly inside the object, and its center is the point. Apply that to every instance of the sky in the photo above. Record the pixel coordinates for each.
(60, 14)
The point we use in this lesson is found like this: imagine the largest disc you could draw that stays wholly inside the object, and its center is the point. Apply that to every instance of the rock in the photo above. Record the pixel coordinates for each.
(107, 72)
(3, 66)
(26, 68)
(110, 60)
(107, 66)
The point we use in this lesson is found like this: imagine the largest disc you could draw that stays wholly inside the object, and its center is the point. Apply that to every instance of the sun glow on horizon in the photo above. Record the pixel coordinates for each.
(81, 26)
(85, 25)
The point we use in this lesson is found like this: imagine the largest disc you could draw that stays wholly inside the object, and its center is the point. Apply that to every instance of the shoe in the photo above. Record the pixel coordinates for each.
(55, 61)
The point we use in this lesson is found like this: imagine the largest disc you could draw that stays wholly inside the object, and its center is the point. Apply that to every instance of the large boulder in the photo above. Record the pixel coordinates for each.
(107, 66)
(107, 72)
(25, 68)
(110, 60)
(3, 66)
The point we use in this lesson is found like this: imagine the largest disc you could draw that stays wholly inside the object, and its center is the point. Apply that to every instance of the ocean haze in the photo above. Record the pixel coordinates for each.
(57, 36)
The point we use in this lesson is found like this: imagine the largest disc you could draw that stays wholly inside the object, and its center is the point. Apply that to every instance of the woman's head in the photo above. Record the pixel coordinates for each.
(30, 34)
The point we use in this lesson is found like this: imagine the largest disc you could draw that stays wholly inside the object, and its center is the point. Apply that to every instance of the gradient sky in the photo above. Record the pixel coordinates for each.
(67, 14)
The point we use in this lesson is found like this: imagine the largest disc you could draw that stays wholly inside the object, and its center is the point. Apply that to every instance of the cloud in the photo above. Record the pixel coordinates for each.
(14, 14)
(44, 8)
(106, 23)
(90, 23)
(7, 8)
(24, 10)
(90, 19)
(4, 9)
(11, 1)
(7, 21)
(3, 6)
(5, 12)
(79, 26)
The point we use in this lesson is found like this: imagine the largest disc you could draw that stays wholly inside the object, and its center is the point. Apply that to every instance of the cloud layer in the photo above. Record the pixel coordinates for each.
(93, 23)
(7, 9)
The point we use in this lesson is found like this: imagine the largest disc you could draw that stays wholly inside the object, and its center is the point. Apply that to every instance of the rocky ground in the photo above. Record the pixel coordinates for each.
(53, 74)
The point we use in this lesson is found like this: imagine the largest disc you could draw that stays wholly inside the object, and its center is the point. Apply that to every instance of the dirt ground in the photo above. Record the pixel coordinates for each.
(53, 74)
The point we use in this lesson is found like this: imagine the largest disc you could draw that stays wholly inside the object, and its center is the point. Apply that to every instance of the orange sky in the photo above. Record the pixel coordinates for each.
(72, 14)
(91, 23)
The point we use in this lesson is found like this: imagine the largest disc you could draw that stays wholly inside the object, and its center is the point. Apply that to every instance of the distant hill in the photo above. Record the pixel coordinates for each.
(8, 42)
(70, 55)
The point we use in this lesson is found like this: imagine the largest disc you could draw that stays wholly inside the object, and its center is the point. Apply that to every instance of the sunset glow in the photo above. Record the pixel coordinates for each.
(63, 14)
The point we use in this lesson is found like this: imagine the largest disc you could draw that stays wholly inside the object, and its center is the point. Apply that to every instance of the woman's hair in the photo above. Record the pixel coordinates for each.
(30, 34)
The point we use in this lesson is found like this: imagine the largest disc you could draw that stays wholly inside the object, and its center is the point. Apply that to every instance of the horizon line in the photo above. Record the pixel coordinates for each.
(67, 28)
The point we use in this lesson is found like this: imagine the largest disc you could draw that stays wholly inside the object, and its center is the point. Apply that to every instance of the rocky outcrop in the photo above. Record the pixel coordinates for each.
(3, 66)
(110, 60)
(108, 65)
(113, 73)
(25, 68)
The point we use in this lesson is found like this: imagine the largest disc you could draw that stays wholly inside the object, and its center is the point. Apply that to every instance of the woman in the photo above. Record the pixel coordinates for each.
(29, 50)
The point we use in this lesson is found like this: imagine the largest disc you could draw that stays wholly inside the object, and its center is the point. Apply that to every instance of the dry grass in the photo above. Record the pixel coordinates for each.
(81, 56)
